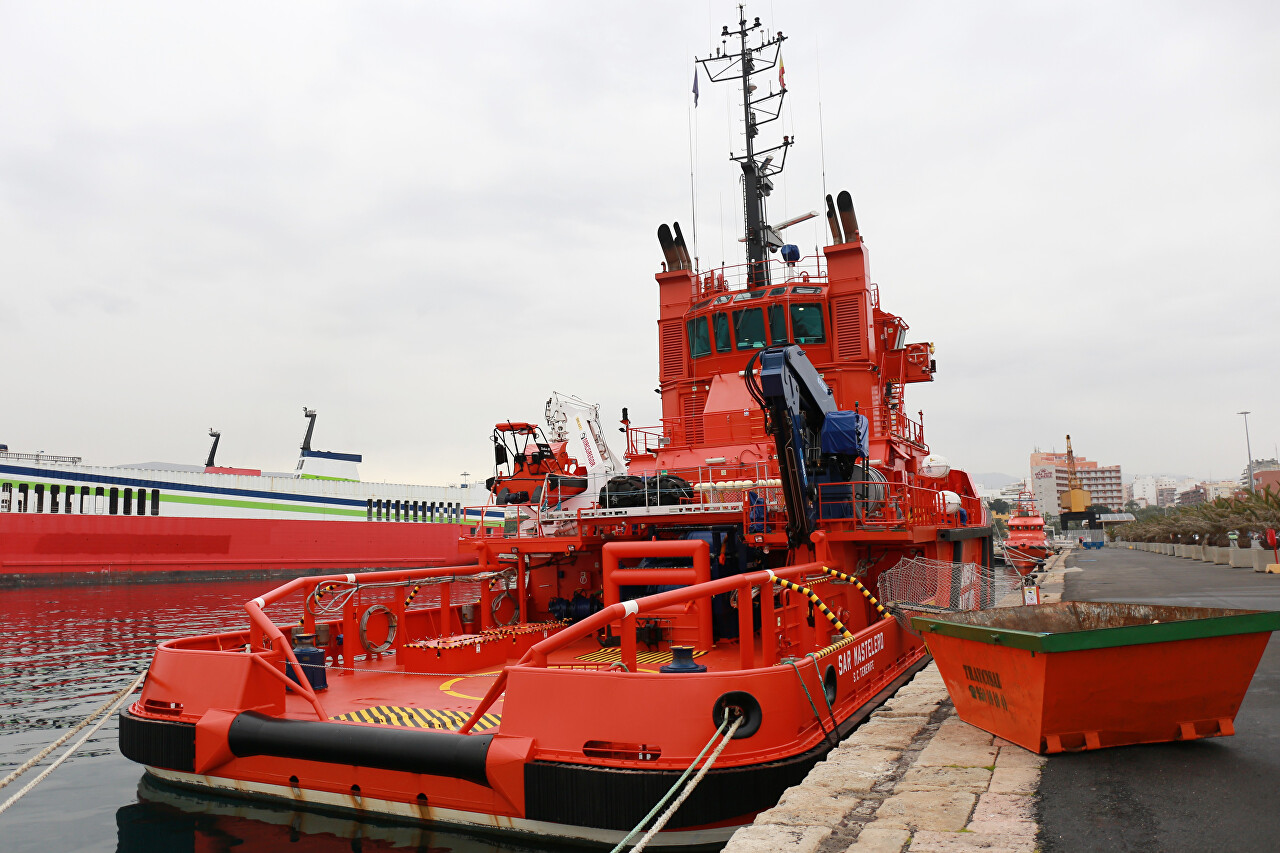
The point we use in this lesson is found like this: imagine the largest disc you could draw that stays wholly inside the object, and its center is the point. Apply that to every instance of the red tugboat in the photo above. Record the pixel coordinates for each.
(707, 604)
(1026, 547)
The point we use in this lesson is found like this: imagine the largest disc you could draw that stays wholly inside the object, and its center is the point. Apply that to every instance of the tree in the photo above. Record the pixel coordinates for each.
(1131, 505)
(999, 505)
(1100, 509)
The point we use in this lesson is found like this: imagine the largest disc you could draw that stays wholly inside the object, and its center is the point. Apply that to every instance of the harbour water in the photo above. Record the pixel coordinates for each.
(66, 651)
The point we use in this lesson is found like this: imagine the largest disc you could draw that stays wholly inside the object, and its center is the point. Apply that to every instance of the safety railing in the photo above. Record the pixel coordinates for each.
(811, 269)
(623, 616)
(271, 647)
(872, 505)
(890, 422)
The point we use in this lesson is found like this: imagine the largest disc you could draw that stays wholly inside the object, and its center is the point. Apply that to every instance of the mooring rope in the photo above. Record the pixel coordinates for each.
(684, 795)
(114, 703)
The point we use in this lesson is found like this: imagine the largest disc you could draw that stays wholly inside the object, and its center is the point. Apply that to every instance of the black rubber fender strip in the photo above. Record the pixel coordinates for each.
(422, 751)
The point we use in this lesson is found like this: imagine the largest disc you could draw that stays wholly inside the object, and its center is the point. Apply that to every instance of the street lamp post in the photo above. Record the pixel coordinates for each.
(1248, 448)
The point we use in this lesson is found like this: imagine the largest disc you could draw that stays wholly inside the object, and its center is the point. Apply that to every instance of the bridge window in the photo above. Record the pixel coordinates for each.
(24, 495)
(778, 324)
(155, 501)
(414, 505)
(368, 510)
(806, 324)
(39, 497)
(721, 324)
(748, 328)
(128, 501)
(699, 338)
(68, 498)
(6, 497)
(113, 502)
(53, 498)
(397, 510)
(100, 501)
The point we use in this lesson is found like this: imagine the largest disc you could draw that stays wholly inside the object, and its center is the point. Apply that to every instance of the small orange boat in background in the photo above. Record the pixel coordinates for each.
(1026, 547)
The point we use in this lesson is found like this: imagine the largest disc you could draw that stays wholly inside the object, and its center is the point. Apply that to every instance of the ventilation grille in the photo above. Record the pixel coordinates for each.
(692, 413)
(672, 345)
(850, 329)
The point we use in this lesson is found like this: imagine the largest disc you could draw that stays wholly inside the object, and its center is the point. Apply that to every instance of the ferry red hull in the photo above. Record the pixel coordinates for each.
(59, 548)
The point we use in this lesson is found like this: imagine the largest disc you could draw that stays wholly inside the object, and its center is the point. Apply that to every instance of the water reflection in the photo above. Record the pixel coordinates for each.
(168, 818)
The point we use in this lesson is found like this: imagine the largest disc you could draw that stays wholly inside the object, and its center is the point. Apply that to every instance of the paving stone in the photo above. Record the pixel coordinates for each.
(921, 704)
(768, 838)
(803, 805)
(947, 811)
(880, 839)
(973, 779)
(886, 732)
(957, 731)
(1012, 755)
(1015, 780)
(849, 771)
(942, 754)
(928, 841)
(1005, 815)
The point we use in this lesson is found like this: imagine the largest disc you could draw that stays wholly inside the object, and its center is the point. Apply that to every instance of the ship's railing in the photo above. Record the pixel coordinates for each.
(889, 421)
(622, 617)
(719, 486)
(733, 426)
(751, 489)
(272, 648)
(39, 458)
(867, 505)
(735, 277)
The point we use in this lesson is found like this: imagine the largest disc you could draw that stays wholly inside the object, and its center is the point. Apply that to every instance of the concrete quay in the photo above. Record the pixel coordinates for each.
(916, 778)
(913, 777)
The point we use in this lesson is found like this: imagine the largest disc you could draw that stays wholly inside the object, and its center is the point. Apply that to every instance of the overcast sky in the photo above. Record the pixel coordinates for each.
(420, 219)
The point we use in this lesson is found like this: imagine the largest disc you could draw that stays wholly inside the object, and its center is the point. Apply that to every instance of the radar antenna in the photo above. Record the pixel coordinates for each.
(758, 167)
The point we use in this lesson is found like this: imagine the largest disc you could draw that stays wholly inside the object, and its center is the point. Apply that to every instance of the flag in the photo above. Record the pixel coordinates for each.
(782, 69)
(695, 87)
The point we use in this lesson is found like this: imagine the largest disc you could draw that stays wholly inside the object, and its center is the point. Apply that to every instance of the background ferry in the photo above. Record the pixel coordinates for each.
(63, 520)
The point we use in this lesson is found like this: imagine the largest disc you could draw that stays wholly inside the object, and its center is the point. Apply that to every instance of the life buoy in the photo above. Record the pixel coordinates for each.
(497, 600)
(392, 624)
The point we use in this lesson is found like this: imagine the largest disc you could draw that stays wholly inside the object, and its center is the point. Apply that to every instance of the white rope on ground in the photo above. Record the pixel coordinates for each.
(36, 759)
(115, 703)
(688, 789)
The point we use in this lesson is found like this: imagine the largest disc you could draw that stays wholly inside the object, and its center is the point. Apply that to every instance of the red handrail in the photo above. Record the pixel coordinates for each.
(627, 612)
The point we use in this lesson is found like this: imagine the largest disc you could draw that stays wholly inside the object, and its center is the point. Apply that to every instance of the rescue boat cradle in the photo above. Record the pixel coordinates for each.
(721, 585)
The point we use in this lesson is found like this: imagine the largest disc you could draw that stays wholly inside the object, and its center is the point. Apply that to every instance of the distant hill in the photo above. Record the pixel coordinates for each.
(994, 480)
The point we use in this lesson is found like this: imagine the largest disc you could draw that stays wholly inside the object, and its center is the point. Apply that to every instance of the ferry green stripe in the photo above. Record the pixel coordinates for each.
(263, 505)
(273, 507)
(322, 477)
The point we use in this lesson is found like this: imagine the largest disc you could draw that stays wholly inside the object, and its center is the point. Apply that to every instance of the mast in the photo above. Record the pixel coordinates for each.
(213, 450)
(310, 415)
(758, 167)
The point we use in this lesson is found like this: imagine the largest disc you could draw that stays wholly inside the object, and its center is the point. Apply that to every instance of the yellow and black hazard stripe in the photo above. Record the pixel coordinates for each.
(417, 718)
(319, 594)
(614, 655)
(817, 602)
(409, 599)
(884, 614)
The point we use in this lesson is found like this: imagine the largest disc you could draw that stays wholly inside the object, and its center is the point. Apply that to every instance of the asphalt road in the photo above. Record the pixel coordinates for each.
(1217, 794)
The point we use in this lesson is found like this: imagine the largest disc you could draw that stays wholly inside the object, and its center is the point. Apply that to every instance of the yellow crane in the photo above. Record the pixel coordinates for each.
(1074, 499)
